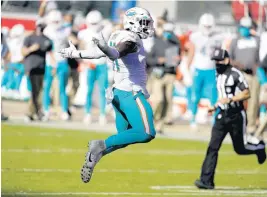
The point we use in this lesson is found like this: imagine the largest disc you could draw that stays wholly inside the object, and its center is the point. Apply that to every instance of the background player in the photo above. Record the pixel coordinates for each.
(58, 33)
(97, 68)
(134, 116)
(202, 44)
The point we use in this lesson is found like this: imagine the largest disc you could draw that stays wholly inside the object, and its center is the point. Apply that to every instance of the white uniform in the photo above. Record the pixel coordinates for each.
(86, 36)
(204, 47)
(263, 44)
(59, 37)
(130, 70)
(15, 46)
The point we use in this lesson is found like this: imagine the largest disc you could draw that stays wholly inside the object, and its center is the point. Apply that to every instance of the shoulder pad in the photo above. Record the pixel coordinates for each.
(123, 36)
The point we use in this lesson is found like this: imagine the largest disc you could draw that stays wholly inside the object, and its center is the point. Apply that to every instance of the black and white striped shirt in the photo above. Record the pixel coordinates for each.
(229, 84)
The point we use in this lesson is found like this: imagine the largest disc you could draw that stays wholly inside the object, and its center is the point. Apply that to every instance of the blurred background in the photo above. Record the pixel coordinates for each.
(85, 85)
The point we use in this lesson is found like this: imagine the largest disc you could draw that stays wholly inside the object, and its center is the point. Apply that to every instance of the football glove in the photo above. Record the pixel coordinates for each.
(70, 52)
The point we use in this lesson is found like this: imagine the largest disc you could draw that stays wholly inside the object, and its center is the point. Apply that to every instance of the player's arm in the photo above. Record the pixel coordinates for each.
(92, 52)
(122, 48)
(102, 50)
(41, 11)
(72, 52)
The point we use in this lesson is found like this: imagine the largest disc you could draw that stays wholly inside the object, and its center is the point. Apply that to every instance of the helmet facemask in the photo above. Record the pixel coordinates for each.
(206, 29)
(146, 28)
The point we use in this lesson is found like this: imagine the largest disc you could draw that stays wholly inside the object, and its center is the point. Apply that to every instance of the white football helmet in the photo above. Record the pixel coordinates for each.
(206, 24)
(246, 22)
(139, 21)
(17, 31)
(54, 18)
(94, 17)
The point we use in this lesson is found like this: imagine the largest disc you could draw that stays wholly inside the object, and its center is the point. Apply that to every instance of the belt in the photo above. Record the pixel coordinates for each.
(232, 111)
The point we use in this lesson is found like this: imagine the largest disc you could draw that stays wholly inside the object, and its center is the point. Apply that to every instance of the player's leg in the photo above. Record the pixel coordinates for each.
(139, 115)
(20, 73)
(252, 111)
(63, 73)
(35, 103)
(91, 77)
(157, 99)
(169, 97)
(263, 112)
(261, 128)
(137, 110)
(218, 134)
(196, 92)
(48, 79)
(188, 97)
(102, 78)
(239, 137)
(122, 125)
(32, 107)
(74, 76)
(29, 86)
(5, 77)
(12, 77)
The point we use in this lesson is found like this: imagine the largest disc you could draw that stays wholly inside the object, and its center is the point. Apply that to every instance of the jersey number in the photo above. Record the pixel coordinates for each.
(116, 63)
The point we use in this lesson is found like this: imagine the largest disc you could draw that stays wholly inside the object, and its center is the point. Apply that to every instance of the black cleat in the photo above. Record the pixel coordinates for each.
(261, 154)
(69, 112)
(28, 118)
(202, 185)
(3, 117)
(168, 123)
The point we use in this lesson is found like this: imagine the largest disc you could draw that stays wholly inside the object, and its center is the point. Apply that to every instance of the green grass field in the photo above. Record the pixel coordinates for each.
(46, 162)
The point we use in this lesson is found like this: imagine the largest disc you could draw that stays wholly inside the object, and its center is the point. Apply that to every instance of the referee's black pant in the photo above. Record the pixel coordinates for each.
(235, 124)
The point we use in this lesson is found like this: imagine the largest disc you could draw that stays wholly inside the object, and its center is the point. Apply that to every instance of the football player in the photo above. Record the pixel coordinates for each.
(15, 43)
(202, 44)
(97, 68)
(128, 95)
(59, 34)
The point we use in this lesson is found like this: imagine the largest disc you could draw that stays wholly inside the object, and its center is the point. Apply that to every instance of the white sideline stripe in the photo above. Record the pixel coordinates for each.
(42, 134)
(148, 152)
(197, 193)
(182, 193)
(151, 171)
(161, 187)
(221, 189)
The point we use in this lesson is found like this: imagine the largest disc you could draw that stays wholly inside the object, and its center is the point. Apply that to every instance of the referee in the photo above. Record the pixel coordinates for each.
(230, 118)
